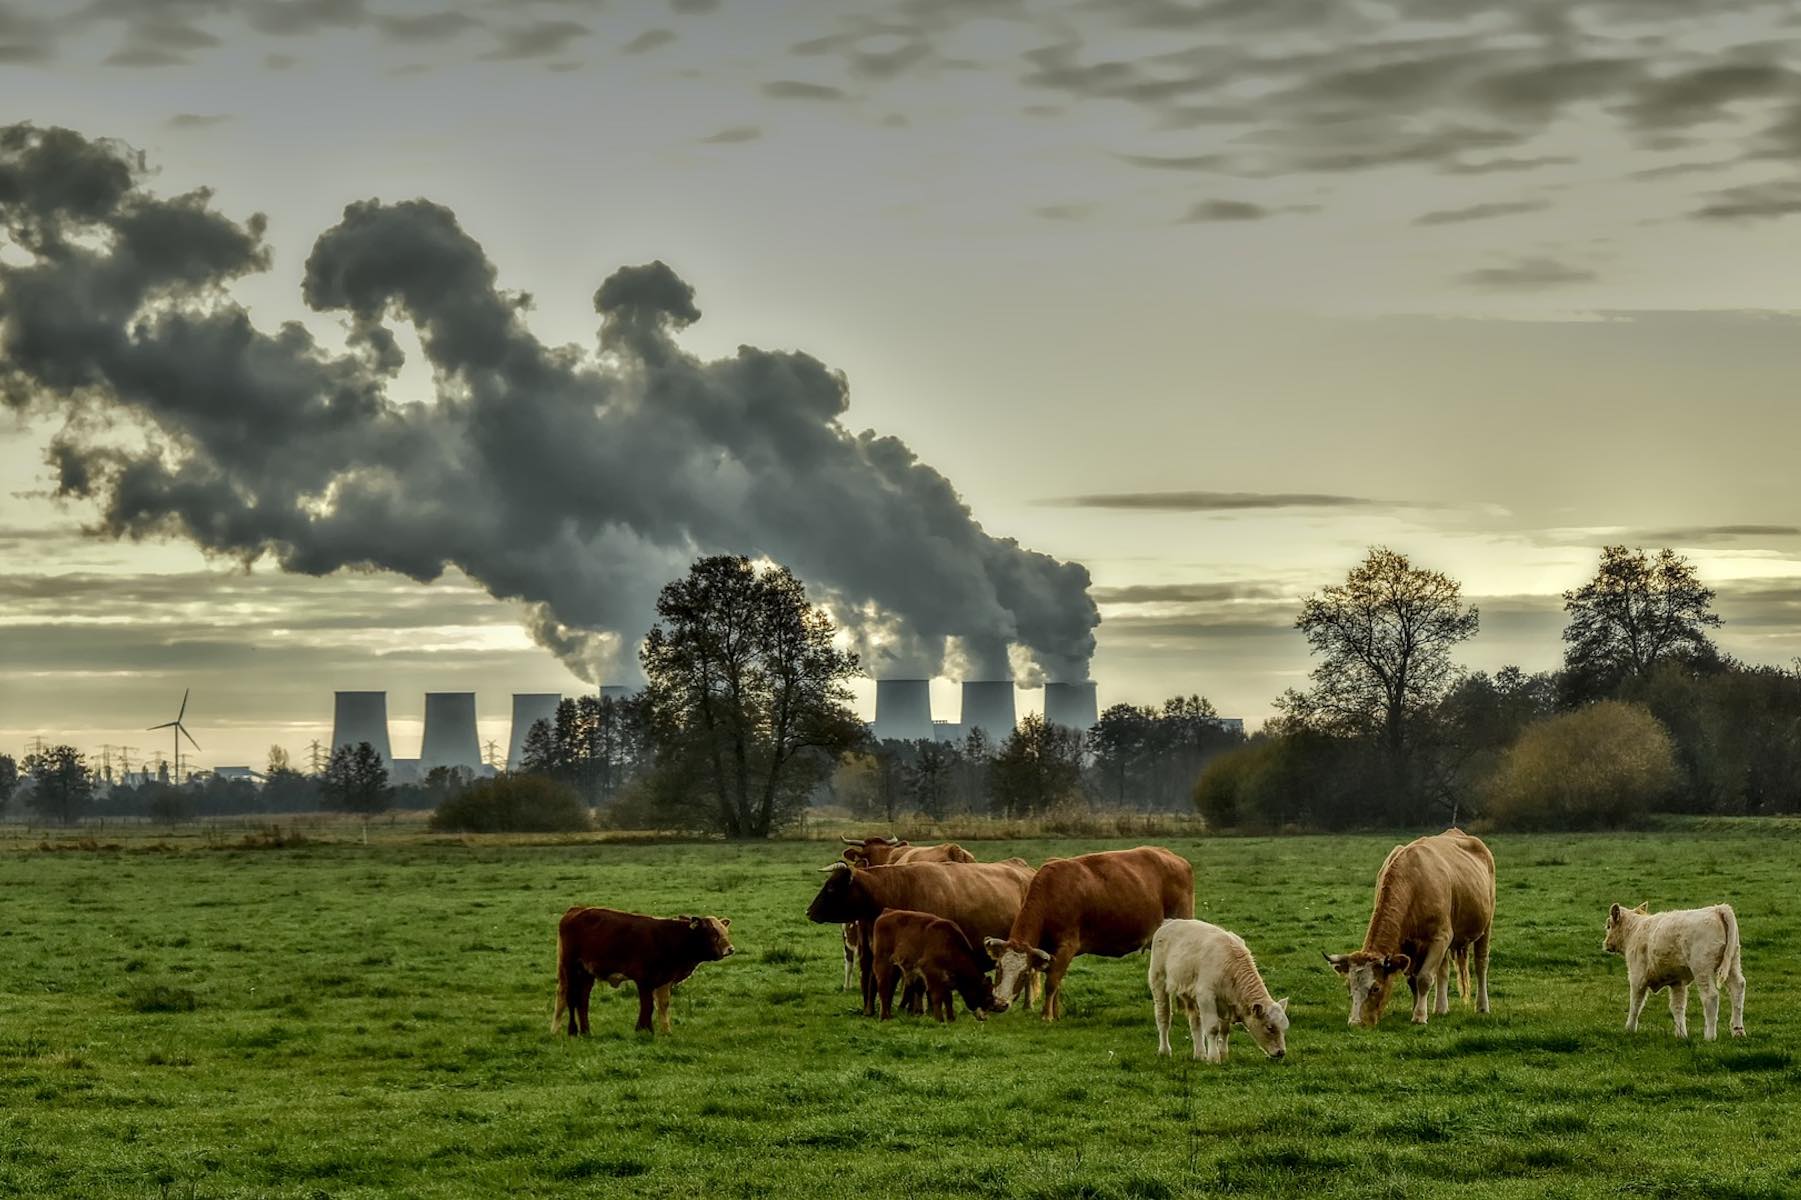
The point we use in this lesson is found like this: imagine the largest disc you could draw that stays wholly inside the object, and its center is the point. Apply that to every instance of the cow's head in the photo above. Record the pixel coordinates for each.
(838, 901)
(1369, 977)
(1268, 1026)
(871, 851)
(710, 933)
(978, 995)
(1014, 964)
(1619, 920)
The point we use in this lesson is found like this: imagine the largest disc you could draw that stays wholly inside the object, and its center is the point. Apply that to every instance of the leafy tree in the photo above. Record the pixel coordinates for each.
(930, 776)
(1736, 731)
(1038, 767)
(1385, 638)
(278, 760)
(747, 691)
(1598, 767)
(1635, 613)
(355, 780)
(9, 778)
(287, 790)
(1478, 719)
(594, 744)
(62, 783)
(1123, 742)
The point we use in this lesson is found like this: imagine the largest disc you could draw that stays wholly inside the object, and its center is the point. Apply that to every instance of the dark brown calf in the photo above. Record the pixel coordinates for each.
(932, 954)
(656, 953)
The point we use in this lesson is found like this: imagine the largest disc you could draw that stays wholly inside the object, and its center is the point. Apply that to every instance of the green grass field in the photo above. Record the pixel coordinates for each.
(346, 1020)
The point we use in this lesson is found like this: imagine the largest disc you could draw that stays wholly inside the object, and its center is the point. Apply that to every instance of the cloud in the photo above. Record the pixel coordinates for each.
(1753, 201)
(541, 39)
(792, 89)
(1212, 501)
(438, 26)
(1188, 593)
(735, 135)
(301, 18)
(1699, 535)
(1225, 210)
(573, 484)
(1191, 162)
(1527, 273)
(196, 120)
(1064, 212)
(650, 39)
(1479, 212)
(694, 7)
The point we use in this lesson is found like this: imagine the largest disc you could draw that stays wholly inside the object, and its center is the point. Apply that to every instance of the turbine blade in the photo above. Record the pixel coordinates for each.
(164, 725)
(189, 736)
(184, 704)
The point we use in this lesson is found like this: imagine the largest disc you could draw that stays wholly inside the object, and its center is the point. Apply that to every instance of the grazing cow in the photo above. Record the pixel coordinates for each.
(1435, 904)
(882, 852)
(656, 953)
(1208, 973)
(1672, 950)
(981, 898)
(1109, 903)
(918, 950)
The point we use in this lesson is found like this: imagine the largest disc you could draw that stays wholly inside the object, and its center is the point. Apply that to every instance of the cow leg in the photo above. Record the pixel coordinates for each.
(581, 985)
(886, 977)
(1710, 1007)
(867, 968)
(1636, 995)
(1160, 1011)
(1480, 951)
(1679, 1007)
(1197, 1033)
(941, 1003)
(646, 997)
(1053, 983)
(1443, 987)
(1431, 979)
(662, 999)
(1221, 1032)
(850, 955)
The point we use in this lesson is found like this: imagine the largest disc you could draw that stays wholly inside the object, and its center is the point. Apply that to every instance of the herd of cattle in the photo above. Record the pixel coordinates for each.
(934, 924)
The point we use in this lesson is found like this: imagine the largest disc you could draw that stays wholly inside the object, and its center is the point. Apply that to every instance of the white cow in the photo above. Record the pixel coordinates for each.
(1672, 950)
(1209, 974)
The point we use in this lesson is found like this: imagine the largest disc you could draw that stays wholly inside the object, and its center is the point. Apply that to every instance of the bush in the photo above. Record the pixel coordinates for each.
(1222, 786)
(1599, 767)
(512, 804)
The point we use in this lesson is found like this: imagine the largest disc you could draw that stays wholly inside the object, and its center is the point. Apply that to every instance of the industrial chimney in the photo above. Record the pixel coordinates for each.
(362, 717)
(528, 709)
(1071, 705)
(988, 706)
(903, 710)
(450, 736)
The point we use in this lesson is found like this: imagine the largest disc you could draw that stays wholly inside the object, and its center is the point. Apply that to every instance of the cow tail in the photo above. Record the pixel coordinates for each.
(556, 1018)
(1729, 959)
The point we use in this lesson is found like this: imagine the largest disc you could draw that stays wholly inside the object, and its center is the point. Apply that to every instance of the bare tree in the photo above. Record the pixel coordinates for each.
(1635, 613)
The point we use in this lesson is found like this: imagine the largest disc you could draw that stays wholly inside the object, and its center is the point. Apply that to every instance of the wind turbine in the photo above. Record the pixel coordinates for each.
(181, 731)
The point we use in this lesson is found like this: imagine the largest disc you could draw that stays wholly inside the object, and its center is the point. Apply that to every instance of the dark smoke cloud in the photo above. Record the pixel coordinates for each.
(574, 483)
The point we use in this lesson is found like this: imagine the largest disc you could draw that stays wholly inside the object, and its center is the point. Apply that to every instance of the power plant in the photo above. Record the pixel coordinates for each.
(903, 710)
(362, 717)
(450, 735)
(1071, 705)
(528, 709)
(988, 706)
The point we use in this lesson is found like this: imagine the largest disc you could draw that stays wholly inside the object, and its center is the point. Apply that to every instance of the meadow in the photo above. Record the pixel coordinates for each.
(203, 1020)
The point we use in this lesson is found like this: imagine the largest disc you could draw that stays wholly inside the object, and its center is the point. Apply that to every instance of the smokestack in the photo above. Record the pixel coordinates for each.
(450, 736)
(362, 717)
(988, 706)
(903, 709)
(1071, 705)
(528, 709)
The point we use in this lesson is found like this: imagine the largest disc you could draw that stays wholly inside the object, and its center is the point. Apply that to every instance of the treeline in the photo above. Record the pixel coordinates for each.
(1646, 714)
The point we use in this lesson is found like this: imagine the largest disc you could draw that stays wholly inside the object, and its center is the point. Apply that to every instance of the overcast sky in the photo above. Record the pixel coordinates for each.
(1205, 295)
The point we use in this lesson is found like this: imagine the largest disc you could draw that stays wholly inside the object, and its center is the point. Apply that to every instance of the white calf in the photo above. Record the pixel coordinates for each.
(1207, 972)
(1674, 949)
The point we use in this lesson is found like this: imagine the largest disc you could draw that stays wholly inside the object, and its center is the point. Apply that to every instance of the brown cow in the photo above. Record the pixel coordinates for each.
(981, 898)
(882, 852)
(656, 953)
(1109, 903)
(921, 951)
(1435, 903)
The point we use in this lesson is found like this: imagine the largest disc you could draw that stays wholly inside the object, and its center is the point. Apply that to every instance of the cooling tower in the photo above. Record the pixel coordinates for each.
(988, 706)
(903, 710)
(362, 717)
(528, 709)
(1071, 705)
(450, 737)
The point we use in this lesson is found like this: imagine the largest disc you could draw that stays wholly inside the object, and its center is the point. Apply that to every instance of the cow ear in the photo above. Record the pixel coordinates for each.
(1613, 914)
(995, 946)
(1396, 962)
(1283, 1005)
(726, 921)
(1042, 958)
(1645, 907)
(694, 922)
(1257, 1010)
(1340, 962)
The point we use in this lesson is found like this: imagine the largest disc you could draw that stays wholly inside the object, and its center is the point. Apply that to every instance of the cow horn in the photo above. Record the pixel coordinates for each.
(850, 841)
(835, 866)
